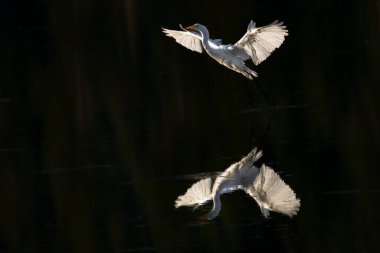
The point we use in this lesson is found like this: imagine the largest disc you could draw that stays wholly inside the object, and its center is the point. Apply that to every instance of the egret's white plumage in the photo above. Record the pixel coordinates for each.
(256, 44)
(264, 185)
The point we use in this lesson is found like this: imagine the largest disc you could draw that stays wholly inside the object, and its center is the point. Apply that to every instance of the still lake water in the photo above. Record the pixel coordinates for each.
(105, 121)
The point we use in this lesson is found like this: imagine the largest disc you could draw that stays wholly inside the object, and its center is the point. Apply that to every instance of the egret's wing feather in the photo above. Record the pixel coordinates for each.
(273, 194)
(190, 40)
(259, 42)
(199, 193)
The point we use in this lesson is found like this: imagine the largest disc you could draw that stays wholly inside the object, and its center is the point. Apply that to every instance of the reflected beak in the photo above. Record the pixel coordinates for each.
(202, 218)
(192, 27)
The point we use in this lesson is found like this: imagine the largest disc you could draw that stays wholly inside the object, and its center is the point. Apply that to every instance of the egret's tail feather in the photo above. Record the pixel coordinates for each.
(273, 194)
(198, 194)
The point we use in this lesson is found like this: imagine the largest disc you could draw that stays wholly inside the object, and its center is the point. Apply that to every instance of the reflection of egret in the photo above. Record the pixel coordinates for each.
(264, 185)
(256, 44)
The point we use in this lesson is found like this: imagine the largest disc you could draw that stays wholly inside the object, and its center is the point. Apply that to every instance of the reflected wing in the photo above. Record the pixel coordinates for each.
(259, 42)
(198, 194)
(273, 194)
(190, 40)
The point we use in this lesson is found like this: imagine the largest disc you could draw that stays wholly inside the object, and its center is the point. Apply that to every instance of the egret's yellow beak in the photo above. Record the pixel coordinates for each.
(192, 27)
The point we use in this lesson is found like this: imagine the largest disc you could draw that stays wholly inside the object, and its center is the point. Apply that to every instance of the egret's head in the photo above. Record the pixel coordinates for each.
(191, 27)
(196, 27)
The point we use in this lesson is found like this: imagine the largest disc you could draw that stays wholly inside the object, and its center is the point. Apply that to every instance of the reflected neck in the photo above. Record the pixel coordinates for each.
(216, 208)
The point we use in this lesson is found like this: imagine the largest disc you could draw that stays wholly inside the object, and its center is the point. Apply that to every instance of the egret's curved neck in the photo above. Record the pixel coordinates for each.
(205, 37)
(216, 208)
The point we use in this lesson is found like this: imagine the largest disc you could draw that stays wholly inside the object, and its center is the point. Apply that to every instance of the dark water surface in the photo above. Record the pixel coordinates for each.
(105, 121)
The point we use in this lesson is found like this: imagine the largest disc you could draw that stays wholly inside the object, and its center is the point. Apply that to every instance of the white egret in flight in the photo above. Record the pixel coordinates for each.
(264, 185)
(256, 44)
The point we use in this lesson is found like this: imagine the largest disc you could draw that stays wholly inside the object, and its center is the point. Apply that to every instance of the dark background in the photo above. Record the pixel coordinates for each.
(104, 121)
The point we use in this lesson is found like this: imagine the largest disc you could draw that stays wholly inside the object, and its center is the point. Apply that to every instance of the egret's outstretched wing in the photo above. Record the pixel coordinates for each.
(259, 42)
(190, 40)
(198, 194)
(273, 194)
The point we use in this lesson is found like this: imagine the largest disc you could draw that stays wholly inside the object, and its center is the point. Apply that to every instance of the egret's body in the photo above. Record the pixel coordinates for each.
(264, 185)
(257, 44)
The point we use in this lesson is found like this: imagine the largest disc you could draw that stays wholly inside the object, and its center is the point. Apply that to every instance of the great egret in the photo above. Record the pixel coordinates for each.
(256, 44)
(264, 185)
